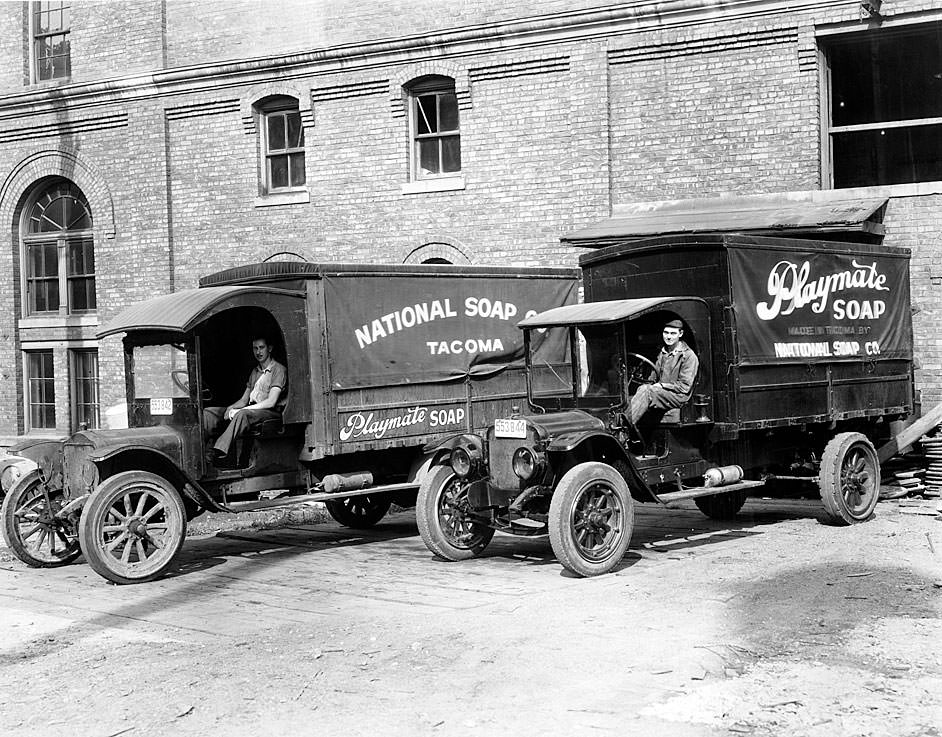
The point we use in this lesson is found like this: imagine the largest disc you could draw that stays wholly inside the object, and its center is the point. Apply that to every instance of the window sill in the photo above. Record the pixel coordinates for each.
(298, 197)
(915, 189)
(442, 184)
(56, 321)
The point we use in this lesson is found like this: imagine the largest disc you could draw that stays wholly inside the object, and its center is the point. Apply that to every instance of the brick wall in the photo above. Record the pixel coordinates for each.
(914, 223)
(552, 136)
(711, 113)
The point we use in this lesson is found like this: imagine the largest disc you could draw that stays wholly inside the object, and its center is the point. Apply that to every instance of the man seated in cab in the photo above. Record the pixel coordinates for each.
(264, 398)
(677, 367)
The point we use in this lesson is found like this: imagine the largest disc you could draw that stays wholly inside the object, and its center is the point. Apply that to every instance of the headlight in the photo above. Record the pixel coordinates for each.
(461, 461)
(9, 476)
(526, 463)
(465, 460)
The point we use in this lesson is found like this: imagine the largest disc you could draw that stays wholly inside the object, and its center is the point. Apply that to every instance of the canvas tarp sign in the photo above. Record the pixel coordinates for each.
(815, 306)
(419, 329)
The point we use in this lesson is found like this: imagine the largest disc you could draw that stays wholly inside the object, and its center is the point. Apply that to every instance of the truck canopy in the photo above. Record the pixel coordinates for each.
(601, 313)
(180, 312)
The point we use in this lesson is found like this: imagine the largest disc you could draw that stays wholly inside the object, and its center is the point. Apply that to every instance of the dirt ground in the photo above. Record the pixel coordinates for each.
(776, 624)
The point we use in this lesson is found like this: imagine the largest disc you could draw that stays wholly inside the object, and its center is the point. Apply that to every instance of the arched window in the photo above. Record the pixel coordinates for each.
(59, 287)
(59, 252)
(435, 132)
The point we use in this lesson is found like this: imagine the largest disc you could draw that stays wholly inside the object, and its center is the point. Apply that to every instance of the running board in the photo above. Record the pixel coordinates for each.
(676, 496)
(321, 496)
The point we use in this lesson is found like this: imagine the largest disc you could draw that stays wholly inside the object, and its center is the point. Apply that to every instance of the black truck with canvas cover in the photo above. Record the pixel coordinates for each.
(381, 360)
(805, 357)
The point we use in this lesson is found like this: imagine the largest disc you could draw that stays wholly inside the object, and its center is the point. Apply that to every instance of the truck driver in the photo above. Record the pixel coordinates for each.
(264, 398)
(677, 367)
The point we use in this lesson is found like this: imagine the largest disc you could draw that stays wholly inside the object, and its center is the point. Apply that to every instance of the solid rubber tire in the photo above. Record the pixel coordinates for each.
(570, 487)
(96, 507)
(11, 531)
(722, 506)
(829, 478)
(436, 539)
(340, 510)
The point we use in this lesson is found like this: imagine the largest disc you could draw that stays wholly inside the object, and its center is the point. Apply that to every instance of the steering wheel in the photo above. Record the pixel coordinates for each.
(640, 370)
(181, 378)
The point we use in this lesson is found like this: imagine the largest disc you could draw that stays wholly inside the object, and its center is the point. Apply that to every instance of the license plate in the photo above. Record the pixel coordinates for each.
(161, 406)
(510, 429)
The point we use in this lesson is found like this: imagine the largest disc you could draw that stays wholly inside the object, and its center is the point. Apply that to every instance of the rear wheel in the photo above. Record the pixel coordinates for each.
(31, 528)
(721, 506)
(132, 527)
(443, 514)
(849, 478)
(359, 512)
(591, 518)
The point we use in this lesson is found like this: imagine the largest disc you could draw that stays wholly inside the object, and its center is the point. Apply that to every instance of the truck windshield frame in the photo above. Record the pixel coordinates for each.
(593, 377)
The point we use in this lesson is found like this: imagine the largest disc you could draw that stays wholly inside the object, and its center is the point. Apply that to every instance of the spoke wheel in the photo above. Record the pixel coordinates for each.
(444, 516)
(359, 512)
(849, 478)
(132, 527)
(30, 526)
(591, 518)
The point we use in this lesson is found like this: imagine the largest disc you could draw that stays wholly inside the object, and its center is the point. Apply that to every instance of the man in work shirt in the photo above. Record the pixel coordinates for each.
(264, 398)
(677, 368)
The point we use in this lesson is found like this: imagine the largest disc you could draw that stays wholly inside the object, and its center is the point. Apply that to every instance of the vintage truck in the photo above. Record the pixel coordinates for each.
(805, 359)
(381, 360)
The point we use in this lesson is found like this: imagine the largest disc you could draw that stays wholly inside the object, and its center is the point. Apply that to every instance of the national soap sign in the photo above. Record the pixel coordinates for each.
(812, 306)
(423, 329)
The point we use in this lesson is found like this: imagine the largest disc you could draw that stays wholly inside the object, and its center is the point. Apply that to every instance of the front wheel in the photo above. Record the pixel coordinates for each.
(30, 526)
(443, 514)
(132, 527)
(359, 512)
(849, 478)
(591, 518)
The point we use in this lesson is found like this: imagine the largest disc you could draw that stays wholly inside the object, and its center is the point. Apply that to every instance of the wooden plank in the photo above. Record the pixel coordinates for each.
(910, 434)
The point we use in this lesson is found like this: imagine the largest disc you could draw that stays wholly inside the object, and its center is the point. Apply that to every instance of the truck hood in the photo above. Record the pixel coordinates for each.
(552, 425)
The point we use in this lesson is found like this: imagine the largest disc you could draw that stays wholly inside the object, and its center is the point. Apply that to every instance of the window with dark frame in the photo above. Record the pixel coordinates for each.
(41, 392)
(59, 251)
(885, 102)
(51, 25)
(436, 135)
(284, 146)
(86, 405)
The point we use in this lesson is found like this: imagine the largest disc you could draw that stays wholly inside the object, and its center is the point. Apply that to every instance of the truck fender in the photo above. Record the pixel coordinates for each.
(188, 486)
(569, 441)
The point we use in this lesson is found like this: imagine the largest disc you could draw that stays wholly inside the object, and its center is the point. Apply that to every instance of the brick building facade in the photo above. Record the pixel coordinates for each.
(193, 136)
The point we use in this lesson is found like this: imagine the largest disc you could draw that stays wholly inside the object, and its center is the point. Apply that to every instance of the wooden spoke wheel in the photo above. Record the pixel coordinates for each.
(849, 478)
(30, 526)
(359, 512)
(445, 518)
(591, 518)
(132, 527)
